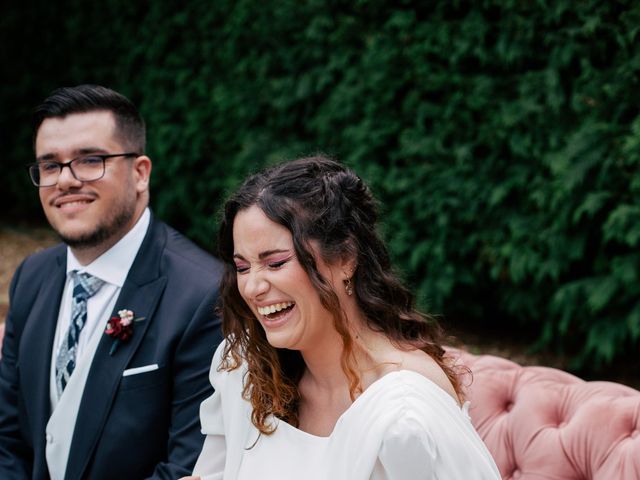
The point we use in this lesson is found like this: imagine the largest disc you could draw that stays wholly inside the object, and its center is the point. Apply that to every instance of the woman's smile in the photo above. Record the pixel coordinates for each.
(276, 315)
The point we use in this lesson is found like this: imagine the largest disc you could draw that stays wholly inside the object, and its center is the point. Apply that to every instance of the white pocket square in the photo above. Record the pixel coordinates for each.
(137, 370)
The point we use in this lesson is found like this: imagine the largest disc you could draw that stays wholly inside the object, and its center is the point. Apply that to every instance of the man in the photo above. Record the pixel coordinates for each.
(108, 338)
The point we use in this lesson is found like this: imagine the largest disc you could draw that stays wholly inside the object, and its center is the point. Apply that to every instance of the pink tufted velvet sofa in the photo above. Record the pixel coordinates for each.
(543, 423)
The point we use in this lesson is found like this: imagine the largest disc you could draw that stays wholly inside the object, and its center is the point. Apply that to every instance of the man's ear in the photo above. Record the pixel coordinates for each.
(142, 173)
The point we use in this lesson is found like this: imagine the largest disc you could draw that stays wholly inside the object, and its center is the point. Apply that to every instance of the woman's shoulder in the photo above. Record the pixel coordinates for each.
(420, 362)
(430, 432)
(228, 385)
(417, 362)
(427, 428)
(406, 395)
(223, 369)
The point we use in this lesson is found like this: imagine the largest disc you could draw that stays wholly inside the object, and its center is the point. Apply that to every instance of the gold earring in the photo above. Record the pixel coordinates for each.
(348, 286)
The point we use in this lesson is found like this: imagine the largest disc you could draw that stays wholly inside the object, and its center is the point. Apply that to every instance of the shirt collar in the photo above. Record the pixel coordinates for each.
(114, 264)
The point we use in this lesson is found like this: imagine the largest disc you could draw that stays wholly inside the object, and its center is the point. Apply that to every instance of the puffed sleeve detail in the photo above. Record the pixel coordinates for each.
(407, 451)
(226, 421)
(432, 438)
(211, 462)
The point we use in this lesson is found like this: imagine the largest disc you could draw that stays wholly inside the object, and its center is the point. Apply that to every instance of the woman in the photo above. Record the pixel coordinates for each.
(328, 372)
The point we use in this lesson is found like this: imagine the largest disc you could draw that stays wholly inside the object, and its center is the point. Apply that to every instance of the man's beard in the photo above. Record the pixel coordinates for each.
(103, 231)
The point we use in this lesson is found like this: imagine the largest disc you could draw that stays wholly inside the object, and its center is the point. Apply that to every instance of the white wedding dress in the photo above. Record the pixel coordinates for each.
(402, 427)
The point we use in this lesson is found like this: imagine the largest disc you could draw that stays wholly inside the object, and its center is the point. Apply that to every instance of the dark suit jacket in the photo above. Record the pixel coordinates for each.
(132, 427)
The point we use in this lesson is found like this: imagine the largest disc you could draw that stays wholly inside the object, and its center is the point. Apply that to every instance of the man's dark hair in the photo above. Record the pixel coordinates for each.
(65, 101)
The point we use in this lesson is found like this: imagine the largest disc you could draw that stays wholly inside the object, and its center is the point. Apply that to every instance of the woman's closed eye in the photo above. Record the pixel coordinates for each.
(277, 264)
(242, 267)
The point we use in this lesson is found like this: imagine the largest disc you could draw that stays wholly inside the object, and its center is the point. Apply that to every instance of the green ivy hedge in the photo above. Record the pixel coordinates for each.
(502, 137)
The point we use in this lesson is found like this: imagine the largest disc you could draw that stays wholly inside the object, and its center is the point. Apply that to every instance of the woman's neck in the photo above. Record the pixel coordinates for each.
(323, 364)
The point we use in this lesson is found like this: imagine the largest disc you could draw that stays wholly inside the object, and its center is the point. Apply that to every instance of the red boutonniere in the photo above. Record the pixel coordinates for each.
(120, 328)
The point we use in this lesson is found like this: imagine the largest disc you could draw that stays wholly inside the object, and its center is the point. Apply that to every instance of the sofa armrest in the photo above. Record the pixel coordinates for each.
(541, 422)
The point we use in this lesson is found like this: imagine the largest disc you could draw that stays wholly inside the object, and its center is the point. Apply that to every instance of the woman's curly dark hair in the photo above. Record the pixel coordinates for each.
(318, 200)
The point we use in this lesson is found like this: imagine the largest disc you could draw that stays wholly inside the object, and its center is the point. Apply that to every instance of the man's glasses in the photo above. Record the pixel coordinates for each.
(85, 169)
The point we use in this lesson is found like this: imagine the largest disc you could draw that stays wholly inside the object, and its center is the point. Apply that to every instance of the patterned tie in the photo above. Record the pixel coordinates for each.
(84, 287)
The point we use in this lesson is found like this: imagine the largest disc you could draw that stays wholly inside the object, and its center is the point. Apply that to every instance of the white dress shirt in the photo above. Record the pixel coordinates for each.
(112, 267)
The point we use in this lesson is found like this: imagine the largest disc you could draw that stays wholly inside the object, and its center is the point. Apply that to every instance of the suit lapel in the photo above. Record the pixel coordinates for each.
(37, 339)
(140, 293)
